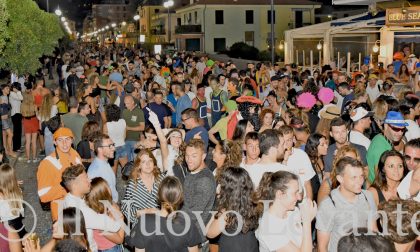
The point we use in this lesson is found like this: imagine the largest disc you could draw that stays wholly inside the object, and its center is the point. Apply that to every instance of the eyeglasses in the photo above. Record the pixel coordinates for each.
(109, 145)
(397, 129)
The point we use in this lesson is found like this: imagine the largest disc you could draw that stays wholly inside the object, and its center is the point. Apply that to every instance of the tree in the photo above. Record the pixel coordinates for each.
(4, 16)
(32, 33)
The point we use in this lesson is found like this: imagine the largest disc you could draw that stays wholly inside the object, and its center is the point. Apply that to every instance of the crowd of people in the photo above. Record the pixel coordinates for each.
(213, 157)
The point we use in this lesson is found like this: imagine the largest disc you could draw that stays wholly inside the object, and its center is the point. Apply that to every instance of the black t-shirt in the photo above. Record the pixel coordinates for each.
(238, 243)
(84, 151)
(166, 241)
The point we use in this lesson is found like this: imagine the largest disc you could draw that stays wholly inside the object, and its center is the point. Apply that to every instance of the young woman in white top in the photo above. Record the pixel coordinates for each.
(11, 197)
(283, 226)
(115, 127)
(169, 144)
(15, 99)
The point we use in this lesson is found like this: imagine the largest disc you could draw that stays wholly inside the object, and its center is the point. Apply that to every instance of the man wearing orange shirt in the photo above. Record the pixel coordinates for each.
(51, 168)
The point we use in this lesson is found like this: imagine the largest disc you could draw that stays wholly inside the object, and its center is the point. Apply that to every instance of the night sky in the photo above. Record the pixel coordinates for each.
(76, 10)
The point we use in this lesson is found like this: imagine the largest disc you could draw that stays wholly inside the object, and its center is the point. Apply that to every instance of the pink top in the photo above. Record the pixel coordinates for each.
(4, 244)
(101, 241)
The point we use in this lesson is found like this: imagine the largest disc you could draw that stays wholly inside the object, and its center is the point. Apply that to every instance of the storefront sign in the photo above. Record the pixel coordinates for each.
(408, 16)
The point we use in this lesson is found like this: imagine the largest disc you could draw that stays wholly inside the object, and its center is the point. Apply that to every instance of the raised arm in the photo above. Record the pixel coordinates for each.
(154, 120)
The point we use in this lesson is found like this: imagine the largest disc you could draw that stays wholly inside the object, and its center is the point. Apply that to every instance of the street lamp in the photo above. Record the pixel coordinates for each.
(136, 17)
(375, 48)
(107, 27)
(124, 23)
(58, 12)
(113, 25)
(63, 19)
(281, 46)
(168, 4)
(319, 46)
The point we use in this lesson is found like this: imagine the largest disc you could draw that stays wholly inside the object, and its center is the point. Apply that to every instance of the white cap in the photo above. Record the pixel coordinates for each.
(359, 113)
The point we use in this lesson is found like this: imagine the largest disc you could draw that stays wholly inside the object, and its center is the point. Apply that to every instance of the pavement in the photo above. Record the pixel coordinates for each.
(35, 217)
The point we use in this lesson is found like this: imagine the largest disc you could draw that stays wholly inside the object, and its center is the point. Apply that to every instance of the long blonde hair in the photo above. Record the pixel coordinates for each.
(45, 110)
(9, 188)
(27, 108)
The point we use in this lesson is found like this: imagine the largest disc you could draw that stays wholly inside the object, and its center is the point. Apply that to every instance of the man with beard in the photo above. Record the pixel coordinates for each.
(394, 129)
(272, 151)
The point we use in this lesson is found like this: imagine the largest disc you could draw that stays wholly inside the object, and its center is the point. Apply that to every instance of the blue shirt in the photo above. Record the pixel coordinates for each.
(116, 76)
(101, 169)
(204, 135)
(182, 104)
(159, 109)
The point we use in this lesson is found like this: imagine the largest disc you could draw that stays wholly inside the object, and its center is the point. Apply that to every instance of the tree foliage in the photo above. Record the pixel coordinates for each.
(31, 34)
(4, 16)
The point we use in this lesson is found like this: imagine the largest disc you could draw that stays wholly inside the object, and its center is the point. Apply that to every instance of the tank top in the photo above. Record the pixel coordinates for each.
(202, 108)
(38, 100)
(116, 131)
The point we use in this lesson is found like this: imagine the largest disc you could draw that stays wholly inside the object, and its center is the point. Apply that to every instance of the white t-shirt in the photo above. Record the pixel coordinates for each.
(207, 94)
(413, 130)
(256, 171)
(358, 138)
(116, 131)
(404, 188)
(300, 164)
(373, 93)
(274, 233)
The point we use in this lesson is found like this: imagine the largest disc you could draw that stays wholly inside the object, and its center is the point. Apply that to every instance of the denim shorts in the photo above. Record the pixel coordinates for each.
(120, 152)
(116, 248)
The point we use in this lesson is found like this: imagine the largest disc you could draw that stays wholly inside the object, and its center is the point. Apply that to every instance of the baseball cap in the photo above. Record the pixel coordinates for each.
(359, 113)
(395, 118)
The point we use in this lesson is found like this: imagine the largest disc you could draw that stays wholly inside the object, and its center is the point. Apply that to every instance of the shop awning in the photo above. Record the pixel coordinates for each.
(367, 16)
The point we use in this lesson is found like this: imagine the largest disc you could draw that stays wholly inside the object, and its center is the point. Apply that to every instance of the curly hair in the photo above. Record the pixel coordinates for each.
(233, 152)
(236, 194)
(264, 112)
(380, 181)
(112, 112)
(135, 173)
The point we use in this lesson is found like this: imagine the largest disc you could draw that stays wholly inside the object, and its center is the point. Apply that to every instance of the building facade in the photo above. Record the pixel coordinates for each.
(214, 25)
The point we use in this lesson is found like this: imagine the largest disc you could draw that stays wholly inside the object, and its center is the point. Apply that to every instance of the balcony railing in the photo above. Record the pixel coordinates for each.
(158, 31)
(183, 29)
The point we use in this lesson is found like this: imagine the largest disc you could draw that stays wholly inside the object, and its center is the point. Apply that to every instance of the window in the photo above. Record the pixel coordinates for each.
(219, 16)
(219, 44)
(249, 38)
(269, 17)
(189, 18)
(249, 17)
(195, 17)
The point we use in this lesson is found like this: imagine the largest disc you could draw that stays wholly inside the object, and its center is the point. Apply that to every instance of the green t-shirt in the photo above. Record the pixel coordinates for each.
(75, 122)
(103, 80)
(378, 146)
(221, 127)
(133, 119)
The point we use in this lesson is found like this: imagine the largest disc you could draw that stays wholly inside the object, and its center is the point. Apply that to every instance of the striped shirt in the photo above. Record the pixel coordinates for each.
(137, 197)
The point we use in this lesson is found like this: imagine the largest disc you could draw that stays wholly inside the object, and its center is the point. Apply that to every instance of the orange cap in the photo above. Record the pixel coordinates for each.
(63, 132)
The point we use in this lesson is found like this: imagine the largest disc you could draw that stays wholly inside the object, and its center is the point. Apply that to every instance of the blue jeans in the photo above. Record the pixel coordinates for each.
(130, 147)
(116, 248)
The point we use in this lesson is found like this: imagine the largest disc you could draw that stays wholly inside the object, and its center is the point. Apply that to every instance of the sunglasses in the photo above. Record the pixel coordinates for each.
(397, 129)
